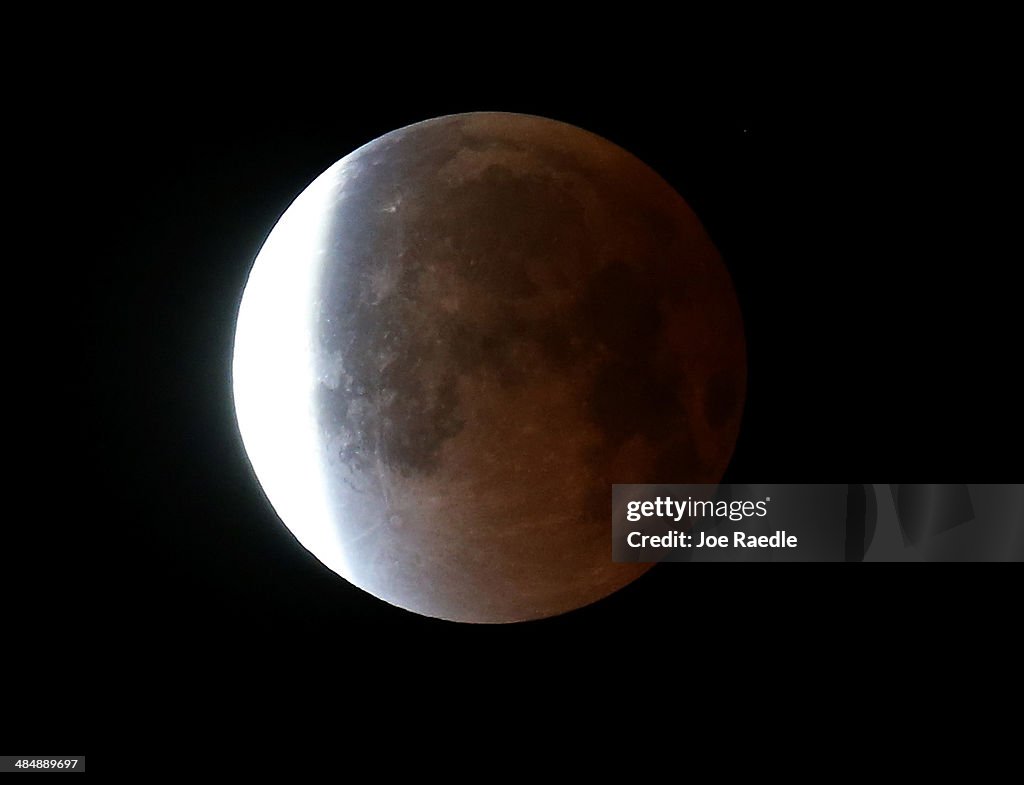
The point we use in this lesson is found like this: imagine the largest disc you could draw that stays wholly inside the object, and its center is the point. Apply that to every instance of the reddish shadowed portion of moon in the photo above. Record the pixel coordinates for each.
(459, 337)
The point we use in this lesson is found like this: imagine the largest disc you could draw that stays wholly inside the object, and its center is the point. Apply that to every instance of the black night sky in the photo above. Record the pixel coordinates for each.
(882, 332)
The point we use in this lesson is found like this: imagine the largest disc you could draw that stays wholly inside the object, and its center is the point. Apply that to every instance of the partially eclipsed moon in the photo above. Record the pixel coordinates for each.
(458, 337)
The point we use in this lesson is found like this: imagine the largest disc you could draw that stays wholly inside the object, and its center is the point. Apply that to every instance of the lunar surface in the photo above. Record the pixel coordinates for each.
(458, 337)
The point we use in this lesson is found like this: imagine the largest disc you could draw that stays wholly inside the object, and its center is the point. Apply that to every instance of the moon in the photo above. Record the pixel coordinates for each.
(455, 341)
